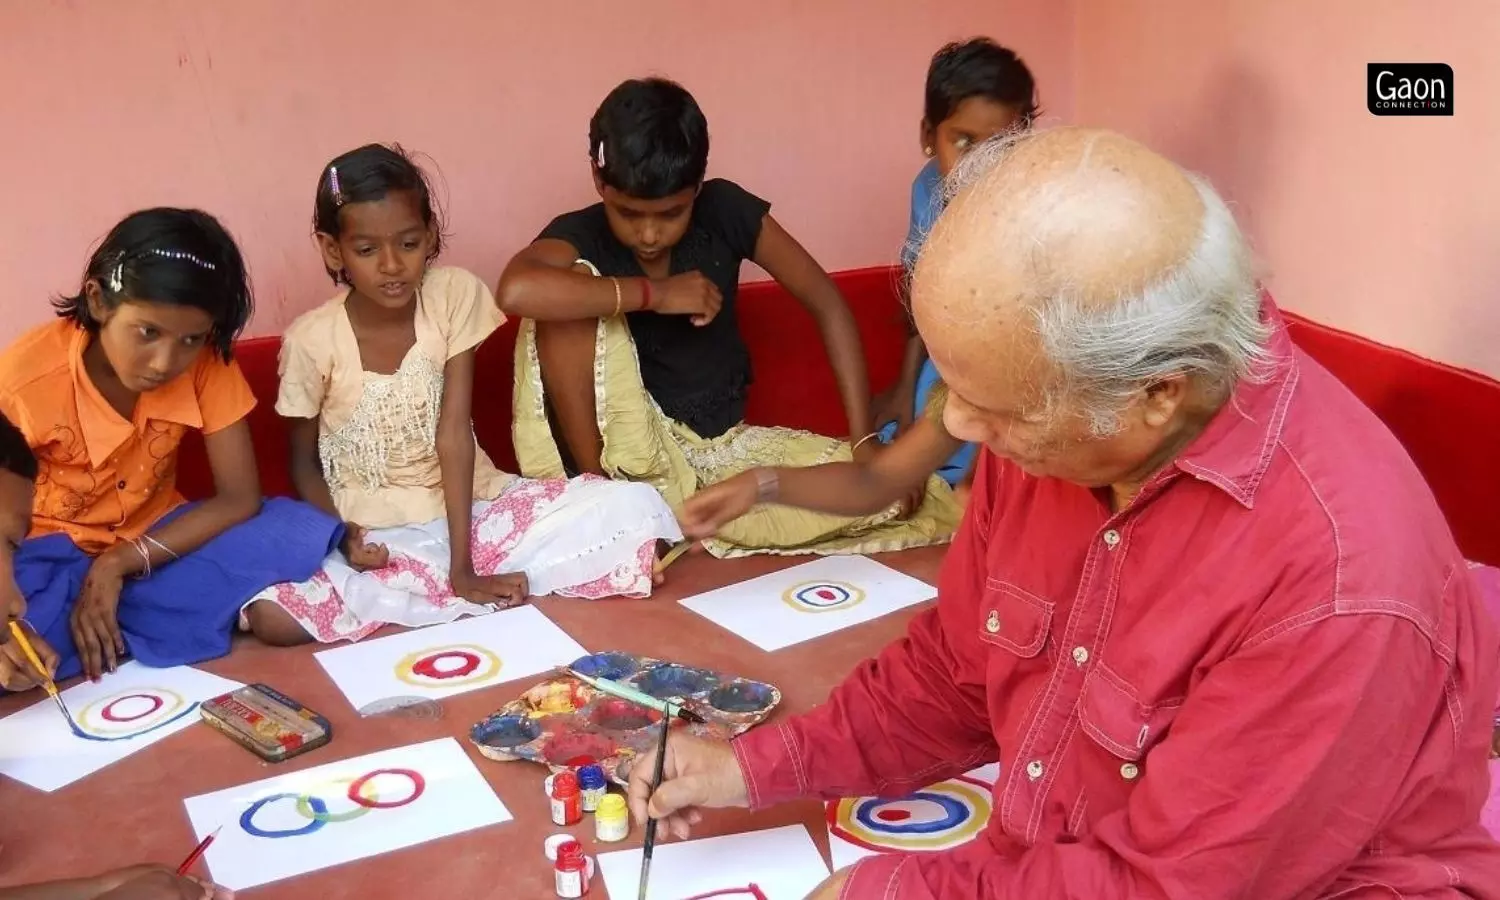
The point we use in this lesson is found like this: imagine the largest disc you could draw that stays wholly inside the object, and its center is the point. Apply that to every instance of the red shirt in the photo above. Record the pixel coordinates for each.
(1268, 677)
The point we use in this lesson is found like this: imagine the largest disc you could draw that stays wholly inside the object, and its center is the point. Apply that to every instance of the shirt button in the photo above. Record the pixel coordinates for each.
(1111, 538)
(1080, 655)
(992, 624)
(1129, 771)
(120, 484)
(1034, 769)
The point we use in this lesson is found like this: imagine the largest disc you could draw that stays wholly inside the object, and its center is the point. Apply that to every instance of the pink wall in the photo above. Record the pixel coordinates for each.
(1388, 227)
(111, 106)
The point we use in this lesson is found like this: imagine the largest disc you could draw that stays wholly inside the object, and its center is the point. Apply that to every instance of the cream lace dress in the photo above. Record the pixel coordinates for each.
(377, 443)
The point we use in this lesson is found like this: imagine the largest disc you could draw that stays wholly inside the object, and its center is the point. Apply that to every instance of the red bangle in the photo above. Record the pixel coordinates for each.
(645, 293)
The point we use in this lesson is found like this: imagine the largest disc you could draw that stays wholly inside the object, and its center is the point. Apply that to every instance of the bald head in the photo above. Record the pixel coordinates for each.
(1077, 211)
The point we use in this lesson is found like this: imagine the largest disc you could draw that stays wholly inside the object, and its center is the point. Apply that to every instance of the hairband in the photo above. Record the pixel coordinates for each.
(333, 186)
(116, 282)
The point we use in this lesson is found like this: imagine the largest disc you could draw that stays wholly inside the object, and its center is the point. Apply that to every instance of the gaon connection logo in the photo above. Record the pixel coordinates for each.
(1409, 89)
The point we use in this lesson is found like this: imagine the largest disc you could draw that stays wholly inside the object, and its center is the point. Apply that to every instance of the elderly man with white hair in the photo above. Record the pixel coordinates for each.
(1203, 610)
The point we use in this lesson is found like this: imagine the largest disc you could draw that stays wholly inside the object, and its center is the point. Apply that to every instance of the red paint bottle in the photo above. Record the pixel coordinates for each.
(567, 804)
(570, 872)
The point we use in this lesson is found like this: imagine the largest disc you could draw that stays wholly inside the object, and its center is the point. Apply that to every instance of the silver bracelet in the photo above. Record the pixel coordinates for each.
(767, 485)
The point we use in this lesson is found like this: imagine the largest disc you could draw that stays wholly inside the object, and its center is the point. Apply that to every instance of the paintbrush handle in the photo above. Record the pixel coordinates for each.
(19, 634)
(626, 692)
(650, 842)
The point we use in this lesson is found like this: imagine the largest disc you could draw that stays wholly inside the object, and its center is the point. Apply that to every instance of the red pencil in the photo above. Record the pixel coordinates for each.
(198, 851)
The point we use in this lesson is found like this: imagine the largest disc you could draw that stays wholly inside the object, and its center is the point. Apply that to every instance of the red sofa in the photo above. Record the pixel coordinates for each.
(1439, 412)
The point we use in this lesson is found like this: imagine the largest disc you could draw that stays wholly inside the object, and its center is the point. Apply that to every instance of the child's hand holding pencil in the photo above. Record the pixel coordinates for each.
(17, 670)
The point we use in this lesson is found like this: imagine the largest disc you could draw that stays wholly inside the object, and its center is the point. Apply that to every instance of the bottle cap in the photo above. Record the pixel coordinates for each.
(564, 784)
(611, 806)
(591, 777)
(570, 853)
(550, 845)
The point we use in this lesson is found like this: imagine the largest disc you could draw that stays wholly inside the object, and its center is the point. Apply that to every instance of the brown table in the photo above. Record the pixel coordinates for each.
(132, 811)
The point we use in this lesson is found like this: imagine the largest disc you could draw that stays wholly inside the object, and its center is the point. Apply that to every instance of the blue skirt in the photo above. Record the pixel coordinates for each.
(953, 470)
(187, 610)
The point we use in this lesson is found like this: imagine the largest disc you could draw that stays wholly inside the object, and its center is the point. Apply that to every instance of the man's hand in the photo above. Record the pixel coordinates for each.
(154, 883)
(362, 555)
(500, 591)
(831, 887)
(16, 671)
(717, 505)
(689, 294)
(699, 774)
(95, 625)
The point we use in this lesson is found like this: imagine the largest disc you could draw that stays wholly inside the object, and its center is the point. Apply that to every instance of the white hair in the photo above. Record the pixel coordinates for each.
(1201, 318)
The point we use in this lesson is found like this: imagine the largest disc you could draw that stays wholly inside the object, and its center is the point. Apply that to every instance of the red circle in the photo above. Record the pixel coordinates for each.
(826, 594)
(418, 784)
(427, 665)
(107, 713)
(893, 815)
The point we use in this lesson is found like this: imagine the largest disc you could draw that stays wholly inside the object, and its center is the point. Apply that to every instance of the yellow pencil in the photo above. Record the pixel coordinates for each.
(20, 635)
(672, 555)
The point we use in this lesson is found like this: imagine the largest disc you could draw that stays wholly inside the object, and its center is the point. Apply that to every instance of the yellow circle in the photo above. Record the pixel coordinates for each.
(483, 673)
(977, 801)
(789, 596)
(366, 790)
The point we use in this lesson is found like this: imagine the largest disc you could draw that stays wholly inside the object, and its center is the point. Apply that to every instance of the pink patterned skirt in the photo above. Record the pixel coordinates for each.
(588, 537)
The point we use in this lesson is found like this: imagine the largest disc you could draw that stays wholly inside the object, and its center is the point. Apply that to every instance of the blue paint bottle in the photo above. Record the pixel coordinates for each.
(592, 786)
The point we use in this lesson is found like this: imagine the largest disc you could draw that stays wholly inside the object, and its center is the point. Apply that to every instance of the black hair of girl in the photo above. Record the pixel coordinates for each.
(978, 68)
(367, 175)
(181, 257)
(649, 139)
(16, 456)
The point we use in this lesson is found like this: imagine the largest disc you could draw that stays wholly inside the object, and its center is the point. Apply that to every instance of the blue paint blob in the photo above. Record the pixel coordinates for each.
(669, 680)
(741, 697)
(504, 732)
(612, 665)
(247, 818)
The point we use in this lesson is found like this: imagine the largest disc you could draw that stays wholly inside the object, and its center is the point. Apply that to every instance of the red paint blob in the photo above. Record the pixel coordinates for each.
(579, 762)
(893, 815)
(427, 666)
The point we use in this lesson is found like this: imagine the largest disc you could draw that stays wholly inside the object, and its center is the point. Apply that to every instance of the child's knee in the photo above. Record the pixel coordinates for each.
(274, 625)
(566, 348)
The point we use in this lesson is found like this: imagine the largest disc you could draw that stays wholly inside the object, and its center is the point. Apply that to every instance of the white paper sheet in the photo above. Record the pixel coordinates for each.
(938, 817)
(453, 798)
(810, 600)
(461, 656)
(783, 862)
(136, 704)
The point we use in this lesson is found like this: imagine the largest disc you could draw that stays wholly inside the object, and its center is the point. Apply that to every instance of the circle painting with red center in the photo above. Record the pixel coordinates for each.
(944, 815)
(456, 665)
(130, 712)
(822, 596)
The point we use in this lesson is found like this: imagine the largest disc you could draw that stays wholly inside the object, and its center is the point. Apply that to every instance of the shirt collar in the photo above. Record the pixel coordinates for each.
(1235, 450)
(104, 429)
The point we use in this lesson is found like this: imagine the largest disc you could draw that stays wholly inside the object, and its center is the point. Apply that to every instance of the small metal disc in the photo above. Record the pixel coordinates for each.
(403, 707)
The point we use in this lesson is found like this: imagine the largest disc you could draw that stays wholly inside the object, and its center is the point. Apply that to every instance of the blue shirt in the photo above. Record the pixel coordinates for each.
(926, 203)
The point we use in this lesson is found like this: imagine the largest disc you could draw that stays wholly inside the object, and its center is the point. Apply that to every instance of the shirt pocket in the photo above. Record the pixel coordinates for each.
(1113, 716)
(1014, 619)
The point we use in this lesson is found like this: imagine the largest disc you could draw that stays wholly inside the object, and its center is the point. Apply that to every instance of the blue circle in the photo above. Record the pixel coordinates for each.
(956, 813)
(247, 817)
(807, 596)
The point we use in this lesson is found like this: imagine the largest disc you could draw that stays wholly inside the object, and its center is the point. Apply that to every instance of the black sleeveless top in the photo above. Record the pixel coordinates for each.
(699, 376)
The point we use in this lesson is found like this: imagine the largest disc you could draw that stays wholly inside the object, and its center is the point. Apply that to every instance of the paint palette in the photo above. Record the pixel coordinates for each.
(563, 723)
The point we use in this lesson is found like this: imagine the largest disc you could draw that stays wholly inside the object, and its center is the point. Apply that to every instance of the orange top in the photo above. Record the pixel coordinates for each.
(104, 477)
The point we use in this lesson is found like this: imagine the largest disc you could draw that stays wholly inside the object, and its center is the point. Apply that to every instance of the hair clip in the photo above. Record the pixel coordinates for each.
(599, 154)
(333, 186)
(116, 281)
(184, 255)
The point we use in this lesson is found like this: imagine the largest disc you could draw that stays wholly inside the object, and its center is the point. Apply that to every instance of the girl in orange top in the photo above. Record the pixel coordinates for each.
(117, 563)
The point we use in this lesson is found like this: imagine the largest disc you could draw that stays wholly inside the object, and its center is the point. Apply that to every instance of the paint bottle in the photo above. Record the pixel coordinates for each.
(570, 872)
(567, 806)
(591, 783)
(611, 819)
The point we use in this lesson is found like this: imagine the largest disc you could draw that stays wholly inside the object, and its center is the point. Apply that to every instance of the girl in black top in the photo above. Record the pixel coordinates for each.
(631, 364)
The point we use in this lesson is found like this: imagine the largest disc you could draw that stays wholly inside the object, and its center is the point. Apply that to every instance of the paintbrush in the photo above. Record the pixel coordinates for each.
(671, 556)
(48, 684)
(650, 843)
(198, 851)
(625, 692)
